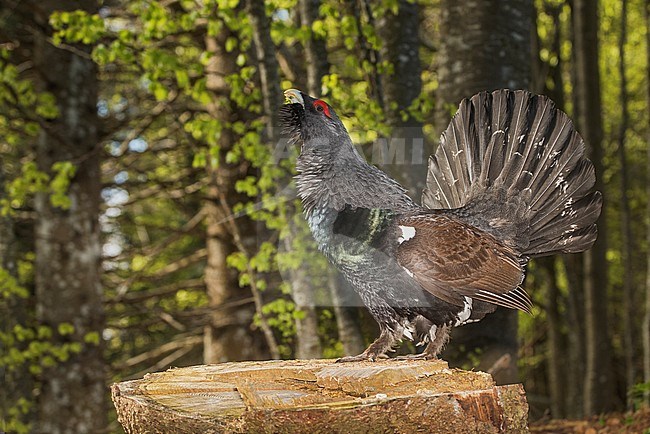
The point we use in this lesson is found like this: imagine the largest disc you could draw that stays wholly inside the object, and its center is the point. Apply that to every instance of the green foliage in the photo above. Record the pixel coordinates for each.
(23, 111)
(77, 26)
(33, 348)
(15, 415)
(638, 392)
(63, 173)
(36, 347)
(9, 286)
(281, 314)
(30, 182)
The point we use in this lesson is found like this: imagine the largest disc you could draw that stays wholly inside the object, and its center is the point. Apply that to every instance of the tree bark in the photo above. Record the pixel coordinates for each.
(561, 376)
(555, 344)
(267, 66)
(308, 340)
(227, 335)
(575, 319)
(401, 49)
(360, 9)
(315, 48)
(487, 49)
(346, 306)
(68, 288)
(646, 315)
(14, 310)
(318, 66)
(626, 225)
(599, 381)
(574, 266)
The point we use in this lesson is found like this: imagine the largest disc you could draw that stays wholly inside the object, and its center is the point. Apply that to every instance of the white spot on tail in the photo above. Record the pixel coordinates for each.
(464, 315)
(409, 331)
(408, 232)
(432, 332)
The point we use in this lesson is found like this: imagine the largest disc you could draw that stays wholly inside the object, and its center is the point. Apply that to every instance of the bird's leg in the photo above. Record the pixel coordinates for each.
(439, 336)
(376, 350)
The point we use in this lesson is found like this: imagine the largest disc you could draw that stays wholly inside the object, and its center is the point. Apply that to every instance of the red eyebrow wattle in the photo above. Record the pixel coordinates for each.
(322, 104)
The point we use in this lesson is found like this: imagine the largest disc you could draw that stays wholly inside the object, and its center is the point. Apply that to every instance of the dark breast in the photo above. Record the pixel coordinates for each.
(348, 235)
(362, 224)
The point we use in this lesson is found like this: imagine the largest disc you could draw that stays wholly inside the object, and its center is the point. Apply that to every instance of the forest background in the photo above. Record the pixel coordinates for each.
(147, 215)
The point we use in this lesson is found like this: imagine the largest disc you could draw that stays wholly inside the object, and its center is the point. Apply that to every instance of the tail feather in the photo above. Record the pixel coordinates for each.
(558, 236)
(577, 185)
(513, 143)
(531, 151)
(493, 165)
(517, 150)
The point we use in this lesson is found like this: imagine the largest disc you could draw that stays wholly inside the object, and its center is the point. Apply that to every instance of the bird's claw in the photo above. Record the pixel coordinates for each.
(371, 357)
(420, 356)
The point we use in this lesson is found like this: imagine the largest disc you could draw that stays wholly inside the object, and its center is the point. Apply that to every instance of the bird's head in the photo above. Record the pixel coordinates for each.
(314, 125)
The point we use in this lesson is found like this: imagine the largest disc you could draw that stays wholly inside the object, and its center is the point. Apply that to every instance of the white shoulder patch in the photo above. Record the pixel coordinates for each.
(408, 232)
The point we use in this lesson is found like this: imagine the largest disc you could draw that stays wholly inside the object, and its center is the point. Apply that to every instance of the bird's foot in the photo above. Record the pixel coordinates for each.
(370, 357)
(376, 350)
(420, 356)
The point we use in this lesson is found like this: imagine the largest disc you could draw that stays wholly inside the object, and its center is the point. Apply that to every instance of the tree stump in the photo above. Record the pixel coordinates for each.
(320, 396)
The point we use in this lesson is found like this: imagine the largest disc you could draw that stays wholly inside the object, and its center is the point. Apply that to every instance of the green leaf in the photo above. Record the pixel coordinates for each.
(92, 338)
(231, 44)
(139, 262)
(65, 328)
(182, 78)
(159, 91)
(64, 171)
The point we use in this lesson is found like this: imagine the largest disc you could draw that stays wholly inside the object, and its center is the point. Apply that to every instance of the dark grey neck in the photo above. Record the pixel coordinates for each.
(326, 182)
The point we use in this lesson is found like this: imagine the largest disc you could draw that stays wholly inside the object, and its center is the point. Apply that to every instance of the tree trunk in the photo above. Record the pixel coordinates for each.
(317, 66)
(554, 72)
(267, 66)
(626, 226)
(486, 49)
(308, 340)
(599, 381)
(346, 306)
(575, 271)
(315, 49)
(360, 9)
(575, 319)
(14, 310)
(307, 336)
(227, 336)
(555, 344)
(401, 49)
(561, 376)
(320, 397)
(68, 288)
(646, 315)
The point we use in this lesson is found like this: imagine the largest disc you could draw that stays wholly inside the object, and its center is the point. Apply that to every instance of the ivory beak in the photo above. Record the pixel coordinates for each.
(294, 96)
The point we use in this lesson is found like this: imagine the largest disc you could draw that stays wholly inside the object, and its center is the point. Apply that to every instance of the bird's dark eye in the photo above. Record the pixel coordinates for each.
(321, 106)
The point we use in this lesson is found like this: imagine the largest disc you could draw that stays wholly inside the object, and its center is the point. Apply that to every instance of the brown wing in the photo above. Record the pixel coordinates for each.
(451, 259)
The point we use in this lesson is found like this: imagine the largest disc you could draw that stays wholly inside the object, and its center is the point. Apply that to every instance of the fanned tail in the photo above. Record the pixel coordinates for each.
(514, 165)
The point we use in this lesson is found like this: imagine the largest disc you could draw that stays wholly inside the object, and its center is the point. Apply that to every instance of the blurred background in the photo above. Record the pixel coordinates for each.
(147, 216)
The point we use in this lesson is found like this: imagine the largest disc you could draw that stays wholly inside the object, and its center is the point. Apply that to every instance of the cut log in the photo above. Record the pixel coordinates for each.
(319, 396)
